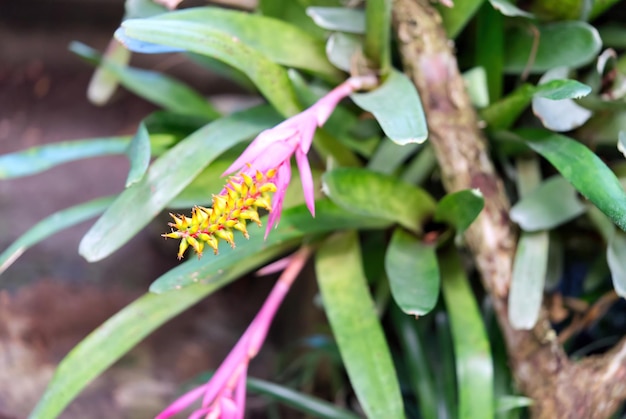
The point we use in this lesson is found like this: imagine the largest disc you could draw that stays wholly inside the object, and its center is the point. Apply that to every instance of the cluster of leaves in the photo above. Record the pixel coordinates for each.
(396, 246)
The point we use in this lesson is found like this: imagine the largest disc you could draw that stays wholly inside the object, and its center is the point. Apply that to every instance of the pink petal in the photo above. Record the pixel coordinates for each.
(228, 408)
(283, 177)
(274, 267)
(240, 393)
(182, 402)
(326, 105)
(260, 144)
(201, 413)
(306, 177)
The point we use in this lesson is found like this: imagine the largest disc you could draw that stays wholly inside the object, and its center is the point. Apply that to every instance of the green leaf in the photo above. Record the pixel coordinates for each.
(474, 365)
(564, 114)
(551, 204)
(583, 169)
(455, 18)
(359, 334)
(38, 159)
(561, 44)
(509, 9)
(377, 42)
(417, 362)
(507, 403)
(490, 49)
(124, 330)
(527, 284)
(103, 83)
(503, 113)
(615, 256)
(270, 78)
(304, 403)
(561, 89)
(363, 192)
(389, 156)
(295, 223)
(397, 107)
(476, 83)
(139, 155)
(342, 19)
(413, 273)
(153, 86)
(50, 225)
(341, 48)
(460, 209)
(297, 48)
(167, 177)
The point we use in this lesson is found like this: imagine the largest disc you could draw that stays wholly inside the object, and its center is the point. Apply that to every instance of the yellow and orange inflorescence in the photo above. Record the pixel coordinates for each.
(237, 204)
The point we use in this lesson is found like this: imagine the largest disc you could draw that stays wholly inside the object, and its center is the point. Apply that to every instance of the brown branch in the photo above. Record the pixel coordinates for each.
(541, 368)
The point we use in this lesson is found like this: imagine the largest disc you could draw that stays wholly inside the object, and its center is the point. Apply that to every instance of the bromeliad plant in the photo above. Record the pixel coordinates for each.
(387, 243)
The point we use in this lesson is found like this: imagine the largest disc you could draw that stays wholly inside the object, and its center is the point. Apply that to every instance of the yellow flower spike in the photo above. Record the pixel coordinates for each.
(219, 204)
(197, 245)
(247, 179)
(264, 203)
(259, 176)
(236, 212)
(173, 235)
(240, 225)
(268, 187)
(204, 237)
(237, 186)
(227, 236)
(270, 173)
(252, 215)
(178, 223)
(253, 190)
(212, 243)
(182, 247)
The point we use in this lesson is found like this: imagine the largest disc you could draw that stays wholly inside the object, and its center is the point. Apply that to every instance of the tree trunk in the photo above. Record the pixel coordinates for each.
(560, 388)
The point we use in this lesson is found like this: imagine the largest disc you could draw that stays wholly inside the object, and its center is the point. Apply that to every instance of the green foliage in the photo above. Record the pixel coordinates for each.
(404, 316)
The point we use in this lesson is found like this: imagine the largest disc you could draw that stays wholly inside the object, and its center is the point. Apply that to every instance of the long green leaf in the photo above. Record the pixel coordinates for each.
(551, 204)
(615, 254)
(529, 273)
(297, 48)
(460, 209)
(39, 159)
(455, 18)
(270, 78)
(51, 225)
(560, 44)
(352, 316)
(413, 273)
(294, 224)
(364, 192)
(583, 169)
(139, 155)
(418, 363)
(397, 107)
(503, 113)
(153, 86)
(531, 258)
(167, 177)
(341, 19)
(302, 402)
(474, 365)
(377, 45)
(124, 330)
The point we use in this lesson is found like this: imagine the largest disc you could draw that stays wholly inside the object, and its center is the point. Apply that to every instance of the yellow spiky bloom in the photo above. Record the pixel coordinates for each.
(238, 203)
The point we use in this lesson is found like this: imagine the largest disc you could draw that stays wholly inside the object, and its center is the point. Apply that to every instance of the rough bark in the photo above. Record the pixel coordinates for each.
(560, 387)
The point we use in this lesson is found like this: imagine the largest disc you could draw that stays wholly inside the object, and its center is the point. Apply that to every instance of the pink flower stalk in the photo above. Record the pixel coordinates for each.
(224, 395)
(273, 148)
(263, 169)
